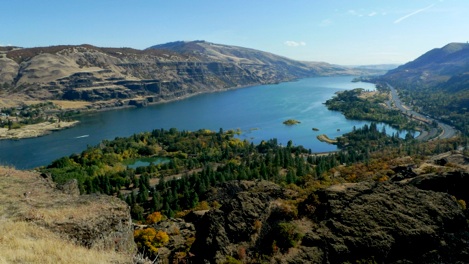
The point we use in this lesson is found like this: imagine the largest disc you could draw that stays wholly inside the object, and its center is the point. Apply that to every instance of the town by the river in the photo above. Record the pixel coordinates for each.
(258, 111)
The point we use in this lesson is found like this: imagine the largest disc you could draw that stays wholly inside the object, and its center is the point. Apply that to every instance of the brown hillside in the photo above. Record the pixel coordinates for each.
(42, 224)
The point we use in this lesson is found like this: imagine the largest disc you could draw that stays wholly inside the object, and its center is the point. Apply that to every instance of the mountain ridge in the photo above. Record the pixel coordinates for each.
(115, 77)
(434, 67)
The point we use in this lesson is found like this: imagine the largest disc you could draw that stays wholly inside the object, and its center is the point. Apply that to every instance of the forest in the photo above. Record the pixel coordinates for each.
(448, 106)
(357, 104)
(199, 160)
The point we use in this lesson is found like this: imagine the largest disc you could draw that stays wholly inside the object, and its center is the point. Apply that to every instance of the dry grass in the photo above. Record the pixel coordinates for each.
(34, 130)
(71, 104)
(30, 212)
(23, 242)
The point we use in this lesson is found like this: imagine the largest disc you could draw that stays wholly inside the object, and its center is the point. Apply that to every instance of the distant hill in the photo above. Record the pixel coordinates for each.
(114, 77)
(444, 68)
(380, 67)
(437, 83)
(249, 57)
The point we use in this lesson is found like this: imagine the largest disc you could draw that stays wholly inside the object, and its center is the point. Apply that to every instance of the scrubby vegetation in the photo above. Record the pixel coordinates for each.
(449, 107)
(291, 122)
(202, 159)
(354, 106)
(15, 117)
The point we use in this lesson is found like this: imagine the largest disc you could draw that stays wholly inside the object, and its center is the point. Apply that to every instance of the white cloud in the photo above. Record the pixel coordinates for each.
(352, 12)
(325, 22)
(292, 43)
(372, 14)
(399, 20)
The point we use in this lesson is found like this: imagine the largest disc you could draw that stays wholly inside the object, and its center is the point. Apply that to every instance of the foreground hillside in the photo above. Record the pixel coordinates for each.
(116, 77)
(209, 197)
(43, 224)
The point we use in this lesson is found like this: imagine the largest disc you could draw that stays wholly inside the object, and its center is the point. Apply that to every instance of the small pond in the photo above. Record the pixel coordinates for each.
(143, 162)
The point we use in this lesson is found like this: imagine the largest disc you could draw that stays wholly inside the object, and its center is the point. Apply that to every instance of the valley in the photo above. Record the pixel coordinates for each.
(235, 177)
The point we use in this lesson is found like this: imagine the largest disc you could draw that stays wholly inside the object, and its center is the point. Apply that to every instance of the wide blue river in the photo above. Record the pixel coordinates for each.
(258, 111)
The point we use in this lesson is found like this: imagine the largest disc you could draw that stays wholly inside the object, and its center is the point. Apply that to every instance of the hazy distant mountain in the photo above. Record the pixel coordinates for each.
(160, 73)
(249, 57)
(446, 68)
(379, 67)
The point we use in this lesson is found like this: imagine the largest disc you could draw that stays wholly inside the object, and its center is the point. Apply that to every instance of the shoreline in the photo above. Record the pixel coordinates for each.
(46, 128)
(34, 130)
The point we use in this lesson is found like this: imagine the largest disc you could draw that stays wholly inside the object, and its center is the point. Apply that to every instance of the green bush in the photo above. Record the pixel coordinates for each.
(288, 235)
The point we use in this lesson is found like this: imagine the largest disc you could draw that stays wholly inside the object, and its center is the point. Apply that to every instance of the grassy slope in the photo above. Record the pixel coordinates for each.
(23, 237)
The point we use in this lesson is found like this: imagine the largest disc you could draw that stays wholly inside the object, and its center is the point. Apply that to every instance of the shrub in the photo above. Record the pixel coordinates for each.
(231, 260)
(154, 218)
(288, 235)
(149, 240)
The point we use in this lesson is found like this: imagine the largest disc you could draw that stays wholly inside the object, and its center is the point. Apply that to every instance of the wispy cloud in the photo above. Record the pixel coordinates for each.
(292, 43)
(399, 20)
(372, 14)
(325, 22)
(354, 13)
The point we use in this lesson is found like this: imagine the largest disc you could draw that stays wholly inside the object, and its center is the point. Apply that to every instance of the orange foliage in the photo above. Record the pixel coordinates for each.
(154, 218)
(150, 239)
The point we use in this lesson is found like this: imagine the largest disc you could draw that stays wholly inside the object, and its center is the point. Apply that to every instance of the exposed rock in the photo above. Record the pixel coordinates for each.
(403, 172)
(93, 221)
(158, 74)
(70, 187)
(382, 222)
(387, 223)
(221, 232)
(454, 183)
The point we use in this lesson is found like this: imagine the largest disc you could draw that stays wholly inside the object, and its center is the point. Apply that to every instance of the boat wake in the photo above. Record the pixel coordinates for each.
(82, 136)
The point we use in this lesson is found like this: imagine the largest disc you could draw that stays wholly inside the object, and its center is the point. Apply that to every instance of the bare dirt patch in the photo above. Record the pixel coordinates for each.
(36, 130)
(66, 105)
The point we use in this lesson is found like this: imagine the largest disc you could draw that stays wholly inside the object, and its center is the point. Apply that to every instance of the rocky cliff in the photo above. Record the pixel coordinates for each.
(156, 74)
(80, 223)
(390, 222)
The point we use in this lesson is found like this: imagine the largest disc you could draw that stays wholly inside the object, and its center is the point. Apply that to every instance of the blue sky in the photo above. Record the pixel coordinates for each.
(347, 32)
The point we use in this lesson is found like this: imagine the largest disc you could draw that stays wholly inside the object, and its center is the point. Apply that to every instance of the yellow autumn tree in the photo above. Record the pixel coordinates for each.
(150, 240)
(154, 218)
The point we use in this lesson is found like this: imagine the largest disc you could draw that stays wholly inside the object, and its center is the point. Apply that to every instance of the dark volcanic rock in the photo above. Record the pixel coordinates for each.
(454, 183)
(223, 231)
(388, 223)
(347, 223)
(403, 172)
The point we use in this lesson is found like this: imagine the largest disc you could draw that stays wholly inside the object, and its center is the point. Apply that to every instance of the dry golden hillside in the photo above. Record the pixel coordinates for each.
(42, 224)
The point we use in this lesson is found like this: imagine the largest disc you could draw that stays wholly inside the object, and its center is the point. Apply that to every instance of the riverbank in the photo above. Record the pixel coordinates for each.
(35, 130)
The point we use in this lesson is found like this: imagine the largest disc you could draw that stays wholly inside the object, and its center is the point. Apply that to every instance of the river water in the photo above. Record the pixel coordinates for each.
(258, 111)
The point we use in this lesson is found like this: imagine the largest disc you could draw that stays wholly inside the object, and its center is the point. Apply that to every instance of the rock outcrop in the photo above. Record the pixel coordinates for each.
(387, 223)
(94, 221)
(390, 222)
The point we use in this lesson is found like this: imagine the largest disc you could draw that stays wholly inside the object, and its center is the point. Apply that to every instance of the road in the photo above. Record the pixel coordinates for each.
(447, 130)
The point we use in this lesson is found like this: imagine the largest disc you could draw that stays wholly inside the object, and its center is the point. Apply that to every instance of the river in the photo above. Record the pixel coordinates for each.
(258, 111)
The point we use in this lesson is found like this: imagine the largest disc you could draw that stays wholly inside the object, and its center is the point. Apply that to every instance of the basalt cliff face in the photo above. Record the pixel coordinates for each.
(419, 218)
(124, 76)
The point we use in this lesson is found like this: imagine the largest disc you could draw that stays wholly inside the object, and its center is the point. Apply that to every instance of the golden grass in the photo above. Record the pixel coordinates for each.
(34, 130)
(71, 104)
(30, 208)
(23, 242)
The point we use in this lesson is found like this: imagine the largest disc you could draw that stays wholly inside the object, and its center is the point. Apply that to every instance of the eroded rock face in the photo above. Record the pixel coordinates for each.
(95, 74)
(222, 232)
(388, 223)
(383, 222)
(109, 229)
(93, 221)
